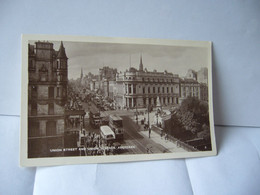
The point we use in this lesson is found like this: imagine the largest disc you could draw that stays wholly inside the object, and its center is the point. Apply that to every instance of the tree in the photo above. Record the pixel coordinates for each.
(190, 120)
(193, 114)
(205, 133)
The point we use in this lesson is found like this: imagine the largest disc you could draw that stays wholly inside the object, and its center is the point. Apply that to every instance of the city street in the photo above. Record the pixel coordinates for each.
(142, 143)
(134, 134)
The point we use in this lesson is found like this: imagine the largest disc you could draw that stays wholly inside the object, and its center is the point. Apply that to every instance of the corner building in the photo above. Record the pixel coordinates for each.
(139, 88)
(189, 88)
(47, 96)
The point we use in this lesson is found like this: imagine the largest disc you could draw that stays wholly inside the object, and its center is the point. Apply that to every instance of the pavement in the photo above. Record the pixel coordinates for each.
(154, 137)
(170, 145)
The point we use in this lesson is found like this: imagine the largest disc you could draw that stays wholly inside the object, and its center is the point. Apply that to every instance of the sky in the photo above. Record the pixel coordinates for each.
(92, 56)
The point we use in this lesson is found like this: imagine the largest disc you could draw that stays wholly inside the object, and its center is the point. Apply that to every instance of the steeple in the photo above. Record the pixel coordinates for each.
(141, 64)
(61, 52)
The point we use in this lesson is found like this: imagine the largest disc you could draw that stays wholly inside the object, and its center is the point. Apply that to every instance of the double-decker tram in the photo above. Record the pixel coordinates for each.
(116, 124)
(94, 117)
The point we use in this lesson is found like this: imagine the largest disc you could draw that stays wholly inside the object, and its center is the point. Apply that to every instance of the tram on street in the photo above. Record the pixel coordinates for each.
(94, 117)
(116, 124)
(107, 134)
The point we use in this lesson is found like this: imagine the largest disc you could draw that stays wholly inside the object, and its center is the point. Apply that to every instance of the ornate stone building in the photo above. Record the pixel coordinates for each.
(203, 76)
(195, 84)
(138, 88)
(47, 95)
(203, 92)
(189, 88)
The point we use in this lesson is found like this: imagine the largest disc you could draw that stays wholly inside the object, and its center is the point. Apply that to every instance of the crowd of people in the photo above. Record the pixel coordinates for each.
(95, 145)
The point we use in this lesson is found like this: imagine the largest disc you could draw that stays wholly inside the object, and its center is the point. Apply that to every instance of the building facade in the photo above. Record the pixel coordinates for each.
(191, 74)
(47, 96)
(203, 76)
(189, 88)
(139, 88)
(107, 73)
(94, 85)
(111, 89)
(195, 84)
(203, 92)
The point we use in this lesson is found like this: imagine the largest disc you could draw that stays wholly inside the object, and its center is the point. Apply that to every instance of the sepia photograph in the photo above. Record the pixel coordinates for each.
(98, 100)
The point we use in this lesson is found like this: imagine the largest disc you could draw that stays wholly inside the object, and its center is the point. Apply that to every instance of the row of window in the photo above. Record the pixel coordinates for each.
(61, 65)
(58, 65)
(150, 101)
(190, 89)
(59, 92)
(34, 128)
(194, 94)
(34, 108)
(163, 100)
(150, 89)
(152, 79)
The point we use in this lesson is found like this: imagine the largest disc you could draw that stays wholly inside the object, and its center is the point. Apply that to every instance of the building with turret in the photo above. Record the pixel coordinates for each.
(47, 96)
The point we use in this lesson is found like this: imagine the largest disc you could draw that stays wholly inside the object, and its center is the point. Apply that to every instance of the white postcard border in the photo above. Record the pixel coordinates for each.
(25, 161)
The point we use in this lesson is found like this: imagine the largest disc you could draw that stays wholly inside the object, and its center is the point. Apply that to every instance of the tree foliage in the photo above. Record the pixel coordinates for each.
(192, 117)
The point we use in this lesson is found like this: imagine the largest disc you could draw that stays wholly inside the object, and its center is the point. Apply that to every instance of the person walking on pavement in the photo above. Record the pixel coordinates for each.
(166, 136)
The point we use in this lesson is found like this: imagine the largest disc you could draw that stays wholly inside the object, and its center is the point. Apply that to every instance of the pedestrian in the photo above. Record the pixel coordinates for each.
(166, 136)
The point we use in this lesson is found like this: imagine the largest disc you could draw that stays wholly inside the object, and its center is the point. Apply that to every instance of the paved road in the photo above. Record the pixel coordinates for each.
(131, 136)
(141, 143)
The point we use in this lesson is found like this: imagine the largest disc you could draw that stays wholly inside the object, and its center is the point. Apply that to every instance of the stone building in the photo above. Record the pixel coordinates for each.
(94, 85)
(47, 95)
(203, 76)
(192, 74)
(107, 73)
(195, 84)
(189, 88)
(139, 88)
(105, 87)
(112, 89)
(203, 92)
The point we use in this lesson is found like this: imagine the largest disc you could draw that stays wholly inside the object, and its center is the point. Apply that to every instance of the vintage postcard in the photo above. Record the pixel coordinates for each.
(99, 100)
